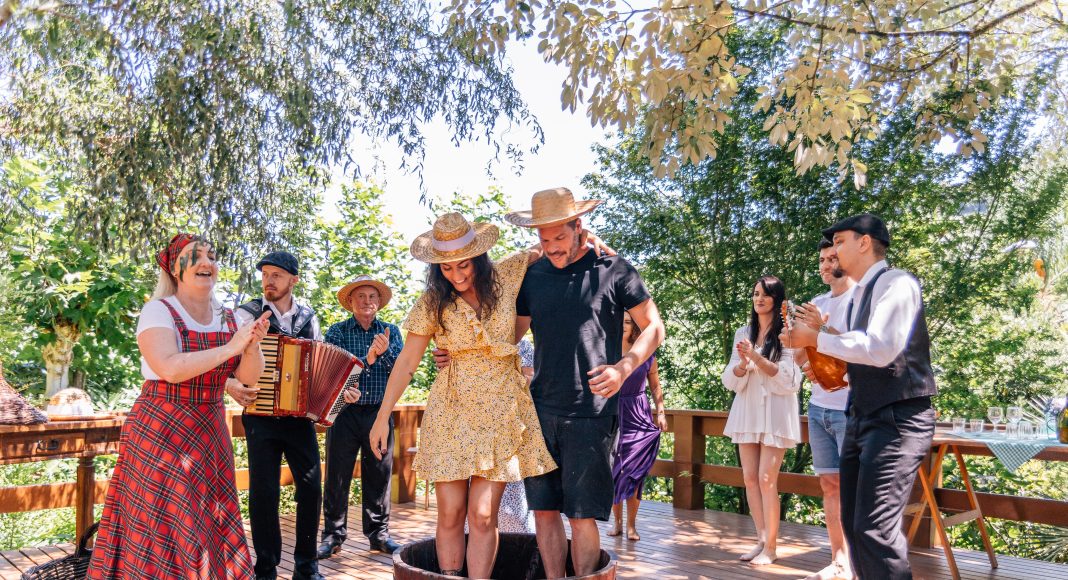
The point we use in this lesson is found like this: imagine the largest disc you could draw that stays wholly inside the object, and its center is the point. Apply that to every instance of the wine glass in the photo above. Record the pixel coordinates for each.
(1014, 414)
(995, 415)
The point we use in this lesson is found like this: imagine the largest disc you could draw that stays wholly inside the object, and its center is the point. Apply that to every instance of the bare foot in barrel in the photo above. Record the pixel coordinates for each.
(764, 558)
(752, 553)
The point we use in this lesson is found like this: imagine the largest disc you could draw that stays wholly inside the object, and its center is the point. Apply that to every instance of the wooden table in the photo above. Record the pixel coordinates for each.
(929, 476)
(83, 440)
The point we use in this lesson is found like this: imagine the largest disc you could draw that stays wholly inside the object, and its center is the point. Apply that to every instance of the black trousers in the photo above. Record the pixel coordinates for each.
(881, 454)
(348, 437)
(269, 438)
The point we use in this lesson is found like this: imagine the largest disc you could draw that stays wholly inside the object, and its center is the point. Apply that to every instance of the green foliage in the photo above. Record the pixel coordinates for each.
(703, 236)
(208, 108)
(60, 286)
(361, 242)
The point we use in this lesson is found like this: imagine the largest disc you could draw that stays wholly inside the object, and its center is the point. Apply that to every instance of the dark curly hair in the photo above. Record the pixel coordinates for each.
(441, 292)
(772, 346)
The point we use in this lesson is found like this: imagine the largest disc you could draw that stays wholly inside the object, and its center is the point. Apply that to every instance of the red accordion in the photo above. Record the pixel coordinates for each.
(304, 378)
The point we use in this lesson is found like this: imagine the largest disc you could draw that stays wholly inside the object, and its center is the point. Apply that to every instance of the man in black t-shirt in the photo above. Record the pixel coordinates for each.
(574, 302)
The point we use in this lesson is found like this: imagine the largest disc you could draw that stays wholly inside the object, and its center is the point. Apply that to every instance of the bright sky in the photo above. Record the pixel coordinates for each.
(562, 160)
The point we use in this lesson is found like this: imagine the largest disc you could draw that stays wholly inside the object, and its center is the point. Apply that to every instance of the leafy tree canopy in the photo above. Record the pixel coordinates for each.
(668, 67)
(231, 111)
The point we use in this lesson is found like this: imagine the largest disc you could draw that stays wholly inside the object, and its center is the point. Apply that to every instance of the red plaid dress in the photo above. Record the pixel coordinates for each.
(171, 509)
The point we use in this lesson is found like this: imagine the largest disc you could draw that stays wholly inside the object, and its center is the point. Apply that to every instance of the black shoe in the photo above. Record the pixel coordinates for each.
(327, 548)
(312, 576)
(387, 546)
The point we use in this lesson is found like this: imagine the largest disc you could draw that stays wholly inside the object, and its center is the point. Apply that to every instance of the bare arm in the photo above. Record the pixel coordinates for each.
(403, 371)
(659, 416)
(522, 325)
(647, 316)
(607, 379)
(399, 378)
(164, 357)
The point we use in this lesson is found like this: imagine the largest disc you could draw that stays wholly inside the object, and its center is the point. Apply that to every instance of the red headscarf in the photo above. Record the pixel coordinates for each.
(166, 257)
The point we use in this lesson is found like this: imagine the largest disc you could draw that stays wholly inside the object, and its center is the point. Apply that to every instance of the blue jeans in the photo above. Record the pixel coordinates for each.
(826, 435)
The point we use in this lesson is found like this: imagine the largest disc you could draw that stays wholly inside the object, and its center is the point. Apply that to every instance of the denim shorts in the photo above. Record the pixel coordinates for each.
(826, 434)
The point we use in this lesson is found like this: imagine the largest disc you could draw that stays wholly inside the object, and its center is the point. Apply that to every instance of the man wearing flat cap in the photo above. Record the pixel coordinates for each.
(377, 344)
(270, 438)
(573, 301)
(891, 420)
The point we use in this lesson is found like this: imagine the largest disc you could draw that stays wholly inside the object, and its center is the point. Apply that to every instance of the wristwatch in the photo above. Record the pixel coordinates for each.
(825, 328)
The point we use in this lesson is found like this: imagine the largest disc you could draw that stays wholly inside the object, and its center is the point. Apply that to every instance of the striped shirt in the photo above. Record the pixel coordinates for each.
(351, 336)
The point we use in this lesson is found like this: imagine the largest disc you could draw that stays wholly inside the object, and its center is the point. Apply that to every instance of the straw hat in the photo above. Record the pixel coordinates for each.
(453, 239)
(552, 207)
(383, 291)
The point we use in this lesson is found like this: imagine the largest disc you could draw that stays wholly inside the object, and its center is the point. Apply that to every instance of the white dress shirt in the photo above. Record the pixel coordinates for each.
(895, 302)
(285, 319)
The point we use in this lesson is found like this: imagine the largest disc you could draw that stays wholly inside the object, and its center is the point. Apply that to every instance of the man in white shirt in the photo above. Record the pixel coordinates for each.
(269, 438)
(891, 421)
(827, 410)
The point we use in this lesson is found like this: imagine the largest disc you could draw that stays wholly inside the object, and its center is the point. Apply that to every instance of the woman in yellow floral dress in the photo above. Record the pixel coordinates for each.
(480, 429)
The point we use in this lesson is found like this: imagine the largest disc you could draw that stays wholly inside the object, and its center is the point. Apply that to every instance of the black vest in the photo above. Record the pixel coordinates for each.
(909, 376)
(302, 327)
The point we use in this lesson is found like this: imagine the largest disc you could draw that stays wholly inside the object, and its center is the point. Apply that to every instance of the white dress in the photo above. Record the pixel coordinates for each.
(765, 408)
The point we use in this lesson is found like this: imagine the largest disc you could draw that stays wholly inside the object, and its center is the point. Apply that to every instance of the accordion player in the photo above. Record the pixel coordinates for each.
(304, 378)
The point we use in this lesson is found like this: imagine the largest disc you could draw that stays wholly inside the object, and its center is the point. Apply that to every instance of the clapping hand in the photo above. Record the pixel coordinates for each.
(248, 337)
(379, 345)
(745, 352)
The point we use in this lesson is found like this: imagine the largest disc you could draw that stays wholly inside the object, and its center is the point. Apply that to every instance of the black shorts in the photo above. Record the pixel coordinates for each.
(583, 486)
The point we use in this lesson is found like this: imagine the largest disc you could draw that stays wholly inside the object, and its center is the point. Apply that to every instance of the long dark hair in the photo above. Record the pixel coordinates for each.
(772, 347)
(441, 292)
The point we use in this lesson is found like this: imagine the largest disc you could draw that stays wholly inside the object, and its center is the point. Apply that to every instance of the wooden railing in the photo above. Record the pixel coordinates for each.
(84, 440)
(687, 467)
(690, 474)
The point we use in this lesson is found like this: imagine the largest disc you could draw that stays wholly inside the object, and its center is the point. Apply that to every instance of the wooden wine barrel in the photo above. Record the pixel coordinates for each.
(517, 559)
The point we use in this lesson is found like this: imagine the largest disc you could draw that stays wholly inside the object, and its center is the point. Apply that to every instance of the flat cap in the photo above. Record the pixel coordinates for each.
(280, 259)
(863, 224)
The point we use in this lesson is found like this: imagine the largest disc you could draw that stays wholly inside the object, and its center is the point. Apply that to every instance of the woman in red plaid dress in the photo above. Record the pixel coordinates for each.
(171, 509)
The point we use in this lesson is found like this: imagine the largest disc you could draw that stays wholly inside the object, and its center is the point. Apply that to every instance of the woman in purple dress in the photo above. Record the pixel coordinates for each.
(639, 434)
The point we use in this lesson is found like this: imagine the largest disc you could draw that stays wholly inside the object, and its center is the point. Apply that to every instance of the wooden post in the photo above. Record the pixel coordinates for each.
(689, 456)
(406, 432)
(83, 509)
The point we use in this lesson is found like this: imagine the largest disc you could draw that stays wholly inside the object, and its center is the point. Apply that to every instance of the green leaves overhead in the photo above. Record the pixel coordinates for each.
(206, 108)
(666, 68)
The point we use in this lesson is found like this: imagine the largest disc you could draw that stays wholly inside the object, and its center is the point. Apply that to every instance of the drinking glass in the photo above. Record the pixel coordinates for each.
(976, 425)
(1027, 430)
(959, 424)
(1012, 431)
(995, 414)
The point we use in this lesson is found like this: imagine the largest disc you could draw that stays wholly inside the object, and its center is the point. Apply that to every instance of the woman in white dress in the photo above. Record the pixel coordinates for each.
(764, 420)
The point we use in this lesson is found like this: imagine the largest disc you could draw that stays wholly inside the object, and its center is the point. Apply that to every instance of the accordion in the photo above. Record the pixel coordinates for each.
(304, 378)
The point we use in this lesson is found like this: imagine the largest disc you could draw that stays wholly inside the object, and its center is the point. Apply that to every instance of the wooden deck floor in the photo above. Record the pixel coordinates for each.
(675, 544)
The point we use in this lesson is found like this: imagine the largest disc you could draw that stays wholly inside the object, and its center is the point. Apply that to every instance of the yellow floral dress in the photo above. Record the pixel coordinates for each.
(480, 419)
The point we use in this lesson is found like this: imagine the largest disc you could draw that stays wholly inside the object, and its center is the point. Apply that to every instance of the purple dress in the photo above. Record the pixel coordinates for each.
(639, 437)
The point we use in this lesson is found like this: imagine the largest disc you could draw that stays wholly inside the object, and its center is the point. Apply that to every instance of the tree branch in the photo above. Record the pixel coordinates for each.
(979, 31)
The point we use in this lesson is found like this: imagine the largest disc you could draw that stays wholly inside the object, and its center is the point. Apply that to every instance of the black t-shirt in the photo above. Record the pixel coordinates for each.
(577, 318)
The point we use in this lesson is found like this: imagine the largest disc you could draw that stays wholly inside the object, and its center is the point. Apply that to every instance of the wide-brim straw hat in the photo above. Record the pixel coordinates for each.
(552, 207)
(383, 291)
(453, 239)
